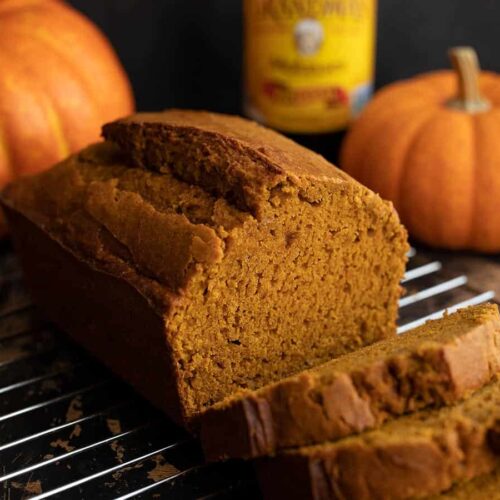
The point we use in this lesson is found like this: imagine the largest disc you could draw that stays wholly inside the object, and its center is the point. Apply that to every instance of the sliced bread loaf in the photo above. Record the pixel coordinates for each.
(198, 254)
(435, 364)
(416, 455)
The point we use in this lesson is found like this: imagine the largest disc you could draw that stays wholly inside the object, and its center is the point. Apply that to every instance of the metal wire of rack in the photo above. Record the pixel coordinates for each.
(69, 429)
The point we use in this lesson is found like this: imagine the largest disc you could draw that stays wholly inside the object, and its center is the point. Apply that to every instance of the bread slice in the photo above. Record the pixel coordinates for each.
(198, 254)
(433, 365)
(486, 487)
(420, 454)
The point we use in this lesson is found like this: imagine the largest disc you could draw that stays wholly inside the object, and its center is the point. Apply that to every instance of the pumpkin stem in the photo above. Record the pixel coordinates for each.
(464, 61)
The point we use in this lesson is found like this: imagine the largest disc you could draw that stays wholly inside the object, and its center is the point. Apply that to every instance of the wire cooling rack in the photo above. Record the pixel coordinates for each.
(69, 429)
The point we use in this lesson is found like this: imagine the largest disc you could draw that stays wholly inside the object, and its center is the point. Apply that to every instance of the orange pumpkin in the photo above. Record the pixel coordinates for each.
(431, 145)
(59, 81)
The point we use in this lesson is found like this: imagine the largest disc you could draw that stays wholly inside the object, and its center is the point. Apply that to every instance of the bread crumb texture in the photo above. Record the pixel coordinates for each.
(261, 257)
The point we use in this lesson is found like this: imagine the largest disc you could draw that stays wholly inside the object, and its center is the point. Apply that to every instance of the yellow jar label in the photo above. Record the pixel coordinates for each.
(308, 63)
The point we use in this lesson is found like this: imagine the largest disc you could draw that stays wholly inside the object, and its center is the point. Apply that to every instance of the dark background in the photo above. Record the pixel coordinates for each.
(187, 53)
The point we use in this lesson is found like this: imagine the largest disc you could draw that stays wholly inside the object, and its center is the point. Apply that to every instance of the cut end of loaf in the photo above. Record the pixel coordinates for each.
(324, 285)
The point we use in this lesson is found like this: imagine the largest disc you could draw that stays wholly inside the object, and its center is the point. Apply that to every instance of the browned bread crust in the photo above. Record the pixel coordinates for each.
(234, 157)
(104, 313)
(433, 365)
(249, 257)
(416, 455)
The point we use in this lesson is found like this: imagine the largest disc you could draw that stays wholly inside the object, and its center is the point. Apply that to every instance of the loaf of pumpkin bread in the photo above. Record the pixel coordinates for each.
(433, 365)
(417, 455)
(199, 254)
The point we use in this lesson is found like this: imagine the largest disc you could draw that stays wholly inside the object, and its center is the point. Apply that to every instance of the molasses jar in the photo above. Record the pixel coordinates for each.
(308, 66)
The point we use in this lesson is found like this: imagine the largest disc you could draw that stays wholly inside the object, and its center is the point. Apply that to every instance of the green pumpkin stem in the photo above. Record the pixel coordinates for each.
(464, 61)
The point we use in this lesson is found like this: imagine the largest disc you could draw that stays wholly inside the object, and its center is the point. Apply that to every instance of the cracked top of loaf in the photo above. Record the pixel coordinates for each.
(229, 156)
(274, 152)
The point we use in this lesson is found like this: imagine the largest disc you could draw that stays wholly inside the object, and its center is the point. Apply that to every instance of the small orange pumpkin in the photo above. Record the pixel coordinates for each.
(59, 81)
(431, 145)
